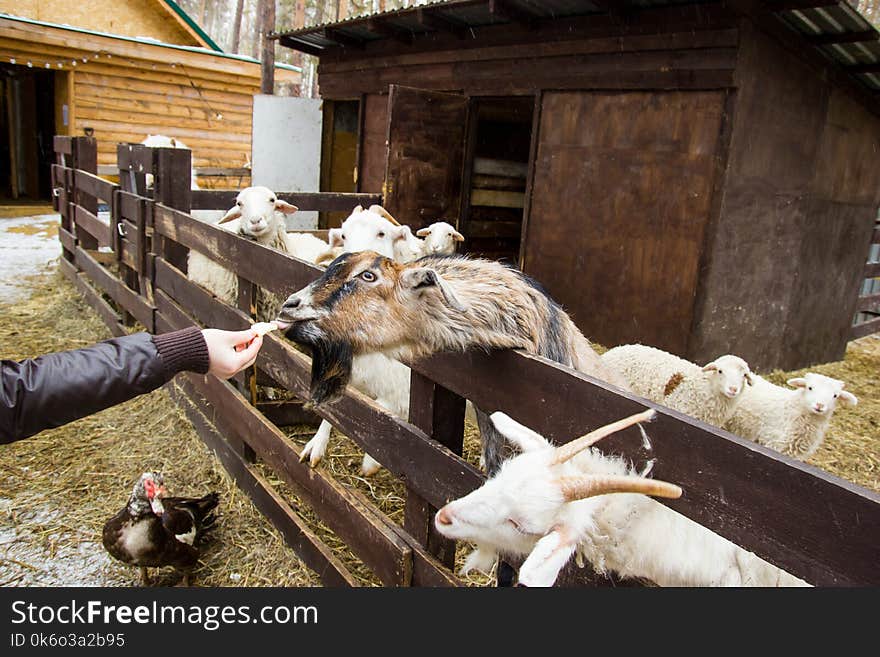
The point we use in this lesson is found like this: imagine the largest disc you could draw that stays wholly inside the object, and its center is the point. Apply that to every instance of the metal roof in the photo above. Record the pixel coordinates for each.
(832, 27)
(186, 18)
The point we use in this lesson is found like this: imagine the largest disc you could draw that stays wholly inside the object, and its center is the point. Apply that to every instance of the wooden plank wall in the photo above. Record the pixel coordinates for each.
(785, 259)
(140, 89)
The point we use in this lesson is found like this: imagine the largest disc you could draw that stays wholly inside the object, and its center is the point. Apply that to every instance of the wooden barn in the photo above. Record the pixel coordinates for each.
(698, 176)
(119, 71)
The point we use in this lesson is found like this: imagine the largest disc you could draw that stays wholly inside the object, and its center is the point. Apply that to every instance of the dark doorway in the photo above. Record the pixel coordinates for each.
(339, 153)
(496, 169)
(27, 125)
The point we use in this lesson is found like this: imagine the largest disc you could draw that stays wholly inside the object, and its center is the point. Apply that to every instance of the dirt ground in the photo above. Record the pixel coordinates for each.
(57, 488)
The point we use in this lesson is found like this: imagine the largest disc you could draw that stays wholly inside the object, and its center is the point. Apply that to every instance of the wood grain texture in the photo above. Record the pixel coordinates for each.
(426, 135)
(618, 212)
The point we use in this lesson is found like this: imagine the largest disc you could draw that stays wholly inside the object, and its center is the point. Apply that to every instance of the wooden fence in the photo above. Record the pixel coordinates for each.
(810, 523)
(868, 308)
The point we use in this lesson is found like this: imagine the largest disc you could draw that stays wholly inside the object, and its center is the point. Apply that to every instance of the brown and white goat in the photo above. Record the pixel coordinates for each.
(367, 303)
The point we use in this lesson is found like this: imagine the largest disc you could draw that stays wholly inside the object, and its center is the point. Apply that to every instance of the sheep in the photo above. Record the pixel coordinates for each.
(792, 422)
(440, 238)
(385, 380)
(161, 141)
(709, 393)
(551, 502)
(258, 215)
(366, 303)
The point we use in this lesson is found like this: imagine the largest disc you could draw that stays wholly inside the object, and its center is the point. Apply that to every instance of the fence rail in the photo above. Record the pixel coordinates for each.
(814, 525)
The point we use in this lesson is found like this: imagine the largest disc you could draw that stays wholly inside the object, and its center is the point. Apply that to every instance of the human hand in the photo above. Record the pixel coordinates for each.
(229, 352)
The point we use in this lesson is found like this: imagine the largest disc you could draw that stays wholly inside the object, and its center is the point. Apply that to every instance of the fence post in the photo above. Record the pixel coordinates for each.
(84, 156)
(246, 381)
(439, 413)
(172, 169)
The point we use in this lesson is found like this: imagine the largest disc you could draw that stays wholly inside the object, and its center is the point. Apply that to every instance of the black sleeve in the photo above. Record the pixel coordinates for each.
(58, 388)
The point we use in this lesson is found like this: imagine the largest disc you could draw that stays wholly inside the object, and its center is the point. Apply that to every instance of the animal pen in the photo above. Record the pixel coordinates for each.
(132, 268)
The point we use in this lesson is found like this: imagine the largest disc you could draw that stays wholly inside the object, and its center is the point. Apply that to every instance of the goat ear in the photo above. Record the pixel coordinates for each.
(548, 557)
(797, 383)
(517, 434)
(401, 233)
(423, 232)
(710, 367)
(233, 213)
(334, 237)
(328, 256)
(458, 237)
(425, 278)
(173, 143)
(285, 207)
(848, 398)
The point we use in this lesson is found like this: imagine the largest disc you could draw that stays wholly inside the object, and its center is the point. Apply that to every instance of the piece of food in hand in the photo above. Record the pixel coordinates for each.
(262, 328)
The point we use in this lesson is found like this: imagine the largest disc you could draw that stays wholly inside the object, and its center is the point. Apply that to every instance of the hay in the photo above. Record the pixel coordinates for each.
(58, 488)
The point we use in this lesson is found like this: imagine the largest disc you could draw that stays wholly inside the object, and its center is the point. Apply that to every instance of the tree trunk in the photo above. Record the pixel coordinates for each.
(266, 24)
(236, 26)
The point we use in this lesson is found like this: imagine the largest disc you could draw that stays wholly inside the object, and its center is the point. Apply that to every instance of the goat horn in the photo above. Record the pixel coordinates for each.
(378, 209)
(578, 488)
(569, 450)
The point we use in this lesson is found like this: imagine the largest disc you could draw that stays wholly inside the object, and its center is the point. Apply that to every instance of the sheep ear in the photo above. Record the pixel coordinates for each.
(750, 379)
(848, 398)
(424, 278)
(285, 207)
(334, 237)
(710, 367)
(358, 208)
(423, 232)
(547, 558)
(233, 213)
(401, 233)
(458, 237)
(518, 434)
(797, 383)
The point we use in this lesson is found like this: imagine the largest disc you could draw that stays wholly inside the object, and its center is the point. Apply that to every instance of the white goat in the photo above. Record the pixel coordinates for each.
(440, 238)
(793, 422)
(549, 502)
(257, 215)
(385, 380)
(709, 393)
(162, 141)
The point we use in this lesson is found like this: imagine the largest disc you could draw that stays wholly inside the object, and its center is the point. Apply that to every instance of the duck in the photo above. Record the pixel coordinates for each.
(154, 530)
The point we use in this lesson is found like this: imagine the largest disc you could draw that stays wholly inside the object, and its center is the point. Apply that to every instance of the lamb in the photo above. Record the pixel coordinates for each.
(161, 141)
(385, 380)
(710, 393)
(440, 238)
(550, 502)
(366, 303)
(258, 215)
(793, 422)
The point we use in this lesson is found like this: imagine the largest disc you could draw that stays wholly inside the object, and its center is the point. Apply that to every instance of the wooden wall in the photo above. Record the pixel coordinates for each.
(622, 195)
(801, 189)
(141, 89)
(133, 18)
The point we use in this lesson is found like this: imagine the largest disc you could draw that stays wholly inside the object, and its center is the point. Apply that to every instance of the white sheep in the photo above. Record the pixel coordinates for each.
(162, 141)
(793, 422)
(257, 215)
(710, 393)
(440, 238)
(551, 502)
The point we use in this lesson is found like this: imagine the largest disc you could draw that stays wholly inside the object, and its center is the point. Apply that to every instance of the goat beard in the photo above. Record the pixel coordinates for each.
(331, 364)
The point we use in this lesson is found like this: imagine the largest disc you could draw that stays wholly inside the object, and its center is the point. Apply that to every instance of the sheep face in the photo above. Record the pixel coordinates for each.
(363, 302)
(256, 208)
(440, 238)
(728, 375)
(820, 394)
(540, 502)
(367, 230)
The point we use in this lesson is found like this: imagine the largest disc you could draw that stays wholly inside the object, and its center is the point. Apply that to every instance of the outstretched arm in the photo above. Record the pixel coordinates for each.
(55, 389)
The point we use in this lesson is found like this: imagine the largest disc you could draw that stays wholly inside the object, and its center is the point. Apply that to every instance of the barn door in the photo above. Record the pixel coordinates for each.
(426, 136)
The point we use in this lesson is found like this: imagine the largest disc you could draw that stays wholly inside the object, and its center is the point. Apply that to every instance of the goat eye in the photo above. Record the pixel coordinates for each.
(835, 395)
(238, 203)
(271, 200)
(720, 372)
(380, 235)
(368, 276)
